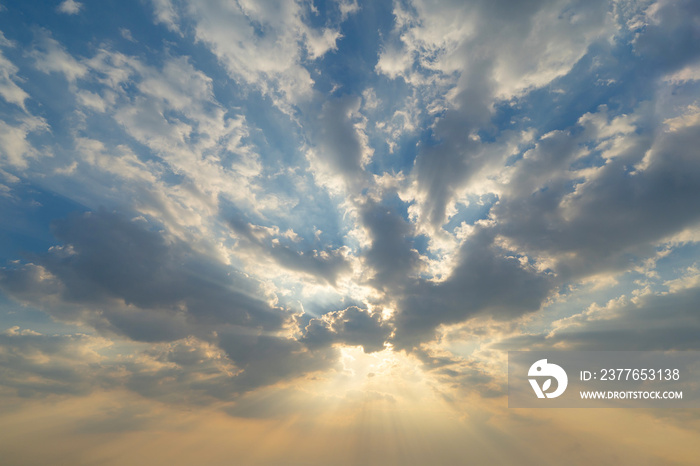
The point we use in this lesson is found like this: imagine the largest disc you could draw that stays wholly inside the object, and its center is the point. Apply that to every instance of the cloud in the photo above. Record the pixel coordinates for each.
(351, 327)
(326, 265)
(166, 13)
(590, 219)
(494, 51)
(51, 57)
(519, 45)
(391, 256)
(37, 365)
(15, 146)
(268, 360)
(348, 7)
(122, 276)
(261, 45)
(653, 322)
(69, 7)
(128, 280)
(172, 111)
(655, 40)
(487, 280)
(19, 126)
(342, 149)
(10, 90)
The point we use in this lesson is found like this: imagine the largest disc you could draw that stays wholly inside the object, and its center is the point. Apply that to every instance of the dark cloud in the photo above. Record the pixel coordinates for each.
(444, 168)
(391, 254)
(659, 322)
(352, 327)
(267, 359)
(667, 40)
(124, 276)
(340, 146)
(186, 371)
(487, 280)
(618, 213)
(325, 265)
(34, 365)
(615, 216)
(196, 371)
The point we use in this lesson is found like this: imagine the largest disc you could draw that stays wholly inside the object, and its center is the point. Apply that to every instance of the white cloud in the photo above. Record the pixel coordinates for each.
(685, 74)
(319, 44)
(259, 43)
(166, 14)
(394, 62)
(348, 7)
(126, 34)
(689, 280)
(523, 49)
(689, 118)
(15, 148)
(9, 89)
(51, 57)
(270, 62)
(70, 7)
(123, 163)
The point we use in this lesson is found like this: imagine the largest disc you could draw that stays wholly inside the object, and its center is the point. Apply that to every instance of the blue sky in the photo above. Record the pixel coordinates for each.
(227, 205)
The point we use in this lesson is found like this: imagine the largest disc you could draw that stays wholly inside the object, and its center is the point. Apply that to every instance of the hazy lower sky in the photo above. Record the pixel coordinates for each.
(307, 232)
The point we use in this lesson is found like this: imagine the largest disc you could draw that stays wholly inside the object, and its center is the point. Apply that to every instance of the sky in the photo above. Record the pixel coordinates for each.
(308, 232)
